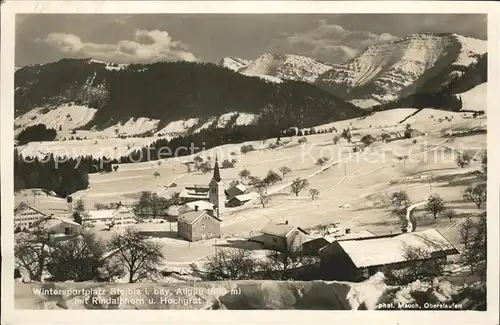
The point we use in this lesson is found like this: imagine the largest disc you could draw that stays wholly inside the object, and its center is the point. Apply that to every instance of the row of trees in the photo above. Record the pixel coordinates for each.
(35, 133)
(86, 258)
(61, 175)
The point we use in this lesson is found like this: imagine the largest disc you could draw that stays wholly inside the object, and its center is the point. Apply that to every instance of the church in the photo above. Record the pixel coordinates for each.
(201, 219)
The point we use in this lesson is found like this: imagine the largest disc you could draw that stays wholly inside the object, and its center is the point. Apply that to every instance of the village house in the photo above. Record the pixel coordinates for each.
(196, 205)
(121, 216)
(25, 216)
(235, 190)
(239, 200)
(61, 227)
(193, 193)
(282, 236)
(359, 258)
(198, 225)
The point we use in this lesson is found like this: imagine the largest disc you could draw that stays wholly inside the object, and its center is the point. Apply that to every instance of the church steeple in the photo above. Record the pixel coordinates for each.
(216, 176)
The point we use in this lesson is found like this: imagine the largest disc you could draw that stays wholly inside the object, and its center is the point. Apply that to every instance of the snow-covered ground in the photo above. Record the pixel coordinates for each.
(362, 182)
(178, 127)
(475, 99)
(67, 117)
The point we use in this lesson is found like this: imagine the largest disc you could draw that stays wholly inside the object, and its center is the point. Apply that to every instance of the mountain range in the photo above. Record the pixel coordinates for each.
(420, 70)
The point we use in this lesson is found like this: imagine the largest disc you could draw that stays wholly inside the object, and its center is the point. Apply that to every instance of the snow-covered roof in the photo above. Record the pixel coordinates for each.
(192, 216)
(247, 197)
(202, 205)
(280, 229)
(391, 249)
(100, 214)
(236, 189)
(52, 221)
(188, 193)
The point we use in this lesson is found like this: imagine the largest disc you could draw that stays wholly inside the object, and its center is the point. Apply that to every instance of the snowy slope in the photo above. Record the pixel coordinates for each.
(475, 99)
(382, 72)
(65, 116)
(178, 127)
(132, 127)
(234, 64)
(282, 66)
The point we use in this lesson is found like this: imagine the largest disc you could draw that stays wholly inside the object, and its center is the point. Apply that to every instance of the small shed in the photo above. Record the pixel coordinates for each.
(235, 190)
(239, 200)
(283, 236)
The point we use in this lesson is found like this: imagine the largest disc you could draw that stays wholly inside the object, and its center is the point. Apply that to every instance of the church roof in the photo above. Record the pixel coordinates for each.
(216, 171)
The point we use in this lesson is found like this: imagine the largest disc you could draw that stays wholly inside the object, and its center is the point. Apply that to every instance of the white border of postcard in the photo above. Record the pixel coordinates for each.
(12, 316)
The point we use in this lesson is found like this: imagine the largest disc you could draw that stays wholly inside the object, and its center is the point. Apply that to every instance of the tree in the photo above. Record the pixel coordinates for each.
(244, 174)
(476, 194)
(298, 185)
(246, 148)
(321, 161)
(264, 199)
(115, 167)
(385, 137)
(77, 217)
(227, 164)
(323, 229)
(484, 164)
(32, 252)
(272, 178)
(463, 160)
(474, 244)
(198, 159)
(367, 139)
(336, 139)
(407, 132)
(279, 263)
(156, 174)
(234, 264)
(79, 206)
(302, 140)
(450, 214)
(346, 134)
(423, 267)
(151, 205)
(313, 193)
(435, 205)
(284, 170)
(78, 259)
(138, 255)
(400, 199)
(205, 167)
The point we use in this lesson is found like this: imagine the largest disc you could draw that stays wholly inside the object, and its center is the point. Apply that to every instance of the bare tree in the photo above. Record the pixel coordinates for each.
(284, 170)
(79, 206)
(272, 178)
(422, 267)
(476, 194)
(156, 175)
(263, 198)
(385, 137)
(323, 229)
(336, 139)
(32, 252)
(313, 193)
(463, 160)
(244, 174)
(139, 255)
(474, 244)
(435, 205)
(321, 161)
(78, 259)
(281, 264)
(367, 140)
(298, 185)
(400, 199)
(230, 264)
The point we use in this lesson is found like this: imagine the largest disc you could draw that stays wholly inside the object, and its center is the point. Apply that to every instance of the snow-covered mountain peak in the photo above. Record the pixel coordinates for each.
(382, 73)
(282, 66)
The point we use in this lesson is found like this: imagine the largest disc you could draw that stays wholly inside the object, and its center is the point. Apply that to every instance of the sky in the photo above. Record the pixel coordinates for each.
(145, 38)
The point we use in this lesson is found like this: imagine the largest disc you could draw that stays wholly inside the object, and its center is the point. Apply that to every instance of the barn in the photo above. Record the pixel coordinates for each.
(359, 258)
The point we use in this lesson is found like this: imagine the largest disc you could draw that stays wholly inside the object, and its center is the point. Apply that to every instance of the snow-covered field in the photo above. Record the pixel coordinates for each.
(67, 117)
(362, 180)
(475, 99)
